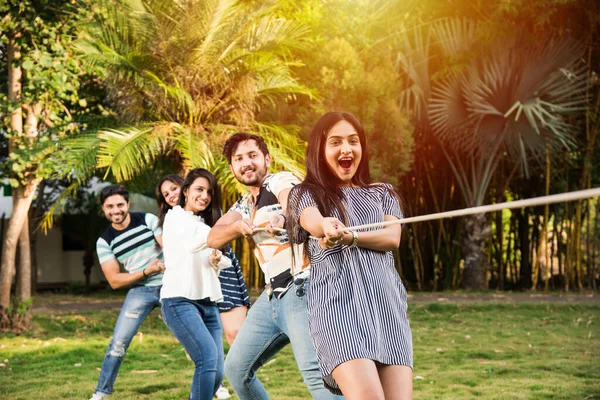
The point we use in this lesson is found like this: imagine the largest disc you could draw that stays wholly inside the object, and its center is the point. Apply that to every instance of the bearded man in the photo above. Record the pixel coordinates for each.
(279, 317)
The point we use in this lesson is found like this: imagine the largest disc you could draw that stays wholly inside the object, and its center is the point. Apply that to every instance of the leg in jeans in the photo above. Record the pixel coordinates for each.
(197, 326)
(212, 320)
(258, 340)
(293, 319)
(136, 307)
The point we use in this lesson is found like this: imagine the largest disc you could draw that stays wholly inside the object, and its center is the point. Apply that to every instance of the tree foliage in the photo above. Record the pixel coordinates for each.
(40, 106)
(182, 76)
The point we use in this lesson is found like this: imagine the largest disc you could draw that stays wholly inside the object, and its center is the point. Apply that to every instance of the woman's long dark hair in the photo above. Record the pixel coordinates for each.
(211, 213)
(160, 199)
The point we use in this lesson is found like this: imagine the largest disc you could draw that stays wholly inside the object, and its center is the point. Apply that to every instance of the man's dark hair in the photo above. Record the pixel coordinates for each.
(111, 190)
(232, 143)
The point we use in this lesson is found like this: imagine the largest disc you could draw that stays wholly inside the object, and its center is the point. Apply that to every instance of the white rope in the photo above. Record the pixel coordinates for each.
(536, 201)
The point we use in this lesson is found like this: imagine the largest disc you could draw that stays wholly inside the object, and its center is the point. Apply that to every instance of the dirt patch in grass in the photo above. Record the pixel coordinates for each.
(51, 302)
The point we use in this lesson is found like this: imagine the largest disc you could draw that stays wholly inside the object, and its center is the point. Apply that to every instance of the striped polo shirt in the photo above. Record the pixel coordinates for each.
(134, 247)
(273, 252)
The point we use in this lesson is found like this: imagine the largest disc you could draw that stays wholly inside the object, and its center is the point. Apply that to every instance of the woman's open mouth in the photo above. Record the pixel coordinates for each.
(346, 163)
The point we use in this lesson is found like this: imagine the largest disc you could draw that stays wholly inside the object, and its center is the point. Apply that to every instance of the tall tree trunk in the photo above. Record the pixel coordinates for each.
(23, 197)
(35, 214)
(515, 247)
(13, 52)
(477, 231)
(567, 248)
(576, 229)
(589, 249)
(534, 250)
(525, 270)
(9, 250)
(500, 244)
(24, 267)
(542, 249)
(596, 244)
(509, 245)
(560, 252)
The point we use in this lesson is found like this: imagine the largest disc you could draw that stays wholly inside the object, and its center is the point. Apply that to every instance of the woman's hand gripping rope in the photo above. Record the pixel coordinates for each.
(333, 231)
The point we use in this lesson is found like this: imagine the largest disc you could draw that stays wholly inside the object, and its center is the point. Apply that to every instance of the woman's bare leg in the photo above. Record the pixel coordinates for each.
(232, 322)
(359, 380)
(396, 381)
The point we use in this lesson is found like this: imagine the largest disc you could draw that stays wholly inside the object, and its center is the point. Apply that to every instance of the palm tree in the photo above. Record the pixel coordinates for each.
(482, 102)
(182, 76)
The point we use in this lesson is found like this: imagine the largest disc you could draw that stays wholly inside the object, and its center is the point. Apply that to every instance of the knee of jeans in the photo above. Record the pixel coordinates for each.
(208, 360)
(229, 367)
(232, 372)
(132, 314)
(118, 348)
(313, 379)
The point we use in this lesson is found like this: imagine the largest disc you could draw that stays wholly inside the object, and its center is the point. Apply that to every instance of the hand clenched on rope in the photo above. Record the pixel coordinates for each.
(276, 224)
(245, 227)
(333, 233)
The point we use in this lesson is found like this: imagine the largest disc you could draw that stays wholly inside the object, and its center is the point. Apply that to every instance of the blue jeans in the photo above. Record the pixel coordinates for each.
(140, 300)
(268, 328)
(197, 326)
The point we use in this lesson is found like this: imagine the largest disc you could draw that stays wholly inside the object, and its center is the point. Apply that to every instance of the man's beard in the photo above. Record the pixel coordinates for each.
(122, 215)
(256, 179)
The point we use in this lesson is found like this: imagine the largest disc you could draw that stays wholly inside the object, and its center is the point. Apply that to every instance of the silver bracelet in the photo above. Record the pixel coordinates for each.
(354, 239)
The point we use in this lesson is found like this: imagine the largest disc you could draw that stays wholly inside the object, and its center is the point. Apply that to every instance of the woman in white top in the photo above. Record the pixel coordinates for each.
(191, 288)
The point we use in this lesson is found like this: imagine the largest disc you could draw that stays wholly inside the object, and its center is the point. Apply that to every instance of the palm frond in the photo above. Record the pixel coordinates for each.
(519, 93)
(182, 99)
(78, 156)
(194, 149)
(272, 87)
(449, 114)
(454, 36)
(413, 63)
(194, 70)
(286, 148)
(59, 206)
(126, 152)
(222, 16)
(551, 85)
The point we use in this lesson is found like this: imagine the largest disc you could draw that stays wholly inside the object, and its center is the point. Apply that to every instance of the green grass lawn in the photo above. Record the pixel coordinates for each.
(461, 351)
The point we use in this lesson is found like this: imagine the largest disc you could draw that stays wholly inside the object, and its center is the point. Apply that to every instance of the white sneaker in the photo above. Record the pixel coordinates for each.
(222, 393)
(98, 396)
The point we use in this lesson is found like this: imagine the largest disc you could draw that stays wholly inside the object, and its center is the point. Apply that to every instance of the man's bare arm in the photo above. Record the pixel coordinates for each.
(229, 227)
(117, 279)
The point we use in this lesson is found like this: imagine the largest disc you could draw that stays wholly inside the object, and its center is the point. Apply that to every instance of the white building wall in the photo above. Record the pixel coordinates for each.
(56, 266)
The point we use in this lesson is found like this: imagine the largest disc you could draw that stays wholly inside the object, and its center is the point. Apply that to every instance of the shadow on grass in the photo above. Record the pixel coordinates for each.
(152, 389)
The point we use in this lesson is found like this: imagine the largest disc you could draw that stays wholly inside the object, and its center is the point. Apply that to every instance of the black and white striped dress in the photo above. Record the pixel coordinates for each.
(357, 304)
(233, 286)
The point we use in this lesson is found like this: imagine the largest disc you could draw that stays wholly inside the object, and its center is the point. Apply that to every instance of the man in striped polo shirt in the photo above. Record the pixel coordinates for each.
(134, 241)
(279, 317)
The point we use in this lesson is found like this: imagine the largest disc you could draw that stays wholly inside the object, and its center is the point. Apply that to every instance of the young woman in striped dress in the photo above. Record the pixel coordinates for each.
(356, 301)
